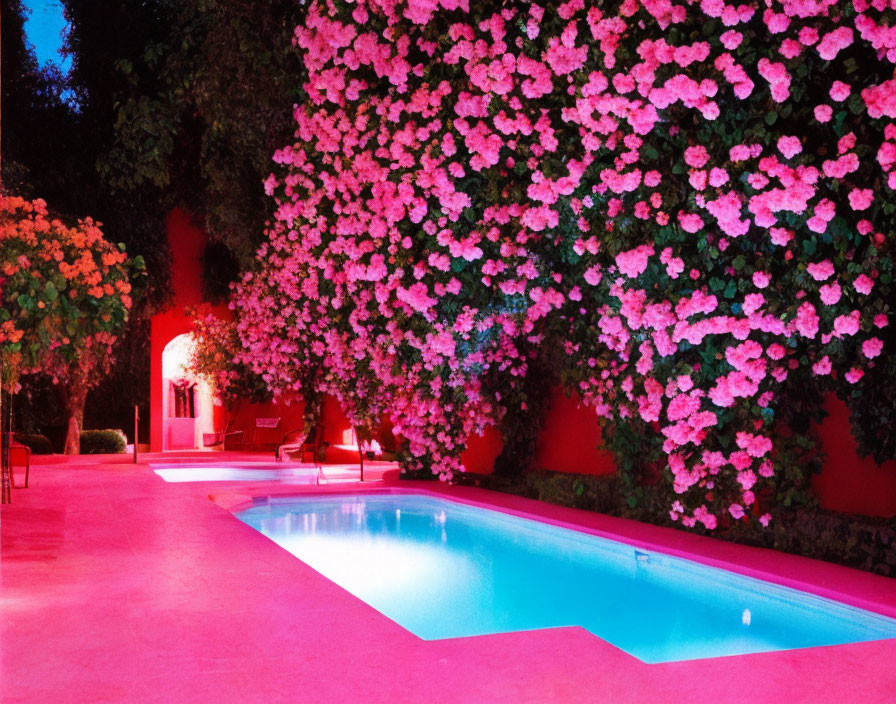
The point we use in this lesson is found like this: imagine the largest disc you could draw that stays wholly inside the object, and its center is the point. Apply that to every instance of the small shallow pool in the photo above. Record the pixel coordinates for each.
(210, 472)
(444, 570)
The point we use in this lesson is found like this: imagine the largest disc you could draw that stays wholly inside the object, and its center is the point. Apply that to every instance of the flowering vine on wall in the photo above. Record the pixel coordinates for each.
(691, 201)
(215, 347)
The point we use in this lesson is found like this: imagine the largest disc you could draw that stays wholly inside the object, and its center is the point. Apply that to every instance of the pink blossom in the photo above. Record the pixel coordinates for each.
(780, 236)
(789, 146)
(696, 156)
(861, 198)
(741, 152)
(417, 297)
(807, 320)
(830, 293)
(863, 284)
(823, 113)
(755, 445)
(633, 262)
(854, 375)
(833, 42)
(847, 324)
(778, 78)
(690, 222)
(718, 177)
(880, 100)
(731, 39)
(752, 303)
(593, 275)
(747, 480)
(808, 35)
(822, 367)
(821, 270)
(775, 351)
(761, 279)
(839, 91)
(563, 59)
(872, 347)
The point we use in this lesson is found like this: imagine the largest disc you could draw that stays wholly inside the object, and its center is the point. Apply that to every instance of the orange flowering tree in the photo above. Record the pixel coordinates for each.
(65, 296)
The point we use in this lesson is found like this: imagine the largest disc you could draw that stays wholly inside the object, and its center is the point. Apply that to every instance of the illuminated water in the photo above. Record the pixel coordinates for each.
(444, 570)
(218, 473)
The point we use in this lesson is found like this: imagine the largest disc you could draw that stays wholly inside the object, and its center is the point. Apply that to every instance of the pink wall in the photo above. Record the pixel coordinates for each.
(850, 483)
(334, 420)
(482, 451)
(187, 242)
(570, 436)
(568, 441)
(164, 328)
(245, 415)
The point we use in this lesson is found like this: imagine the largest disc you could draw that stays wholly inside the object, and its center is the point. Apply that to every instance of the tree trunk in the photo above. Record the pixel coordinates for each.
(77, 396)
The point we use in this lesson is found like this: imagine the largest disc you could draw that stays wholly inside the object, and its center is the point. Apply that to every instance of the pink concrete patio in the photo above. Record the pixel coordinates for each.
(120, 587)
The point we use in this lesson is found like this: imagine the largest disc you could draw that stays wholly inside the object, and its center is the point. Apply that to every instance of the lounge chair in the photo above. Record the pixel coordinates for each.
(298, 441)
(232, 440)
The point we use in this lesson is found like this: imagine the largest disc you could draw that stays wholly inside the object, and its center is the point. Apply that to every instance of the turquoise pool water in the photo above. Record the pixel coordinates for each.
(446, 570)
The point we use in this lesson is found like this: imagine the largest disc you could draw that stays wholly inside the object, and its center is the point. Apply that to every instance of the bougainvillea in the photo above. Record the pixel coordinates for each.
(216, 346)
(690, 200)
(65, 296)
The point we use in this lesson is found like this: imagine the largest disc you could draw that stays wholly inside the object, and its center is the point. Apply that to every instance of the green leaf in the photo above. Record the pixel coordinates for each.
(50, 292)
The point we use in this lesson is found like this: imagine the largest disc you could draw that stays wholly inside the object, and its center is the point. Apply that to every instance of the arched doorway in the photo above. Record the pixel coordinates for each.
(187, 402)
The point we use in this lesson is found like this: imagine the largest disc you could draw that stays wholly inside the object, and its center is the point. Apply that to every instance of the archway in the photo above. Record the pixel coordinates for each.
(187, 402)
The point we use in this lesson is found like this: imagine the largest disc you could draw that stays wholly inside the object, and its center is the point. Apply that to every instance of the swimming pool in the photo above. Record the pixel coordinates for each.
(444, 570)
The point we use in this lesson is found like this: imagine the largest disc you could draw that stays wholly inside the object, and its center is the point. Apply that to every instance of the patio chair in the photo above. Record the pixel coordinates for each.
(232, 440)
(297, 440)
(264, 424)
(24, 453)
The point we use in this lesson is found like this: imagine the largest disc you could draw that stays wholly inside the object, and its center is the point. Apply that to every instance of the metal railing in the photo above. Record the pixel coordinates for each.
(5, 441)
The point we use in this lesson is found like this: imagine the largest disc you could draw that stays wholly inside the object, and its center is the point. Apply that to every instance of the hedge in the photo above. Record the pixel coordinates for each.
(854, 541)
(102, 442)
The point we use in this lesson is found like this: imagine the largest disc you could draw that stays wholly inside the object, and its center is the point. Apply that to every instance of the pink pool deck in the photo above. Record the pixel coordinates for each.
(116, 586)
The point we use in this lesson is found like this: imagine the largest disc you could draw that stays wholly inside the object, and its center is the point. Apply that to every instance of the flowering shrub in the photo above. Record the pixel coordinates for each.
(216, 347)
(65, 295)
(689, 200)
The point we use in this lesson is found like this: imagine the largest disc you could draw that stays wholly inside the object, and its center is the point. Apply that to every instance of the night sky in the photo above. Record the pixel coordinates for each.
(44, 29)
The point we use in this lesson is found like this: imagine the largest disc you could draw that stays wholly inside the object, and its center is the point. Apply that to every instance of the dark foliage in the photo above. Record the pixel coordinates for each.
(525, 414)
(855, 541)
(872, 404)
(33, 114)
(39, 444)
(102, 442)
(219, 103)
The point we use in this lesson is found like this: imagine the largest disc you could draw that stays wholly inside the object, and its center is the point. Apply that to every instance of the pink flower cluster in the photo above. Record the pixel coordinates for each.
(468, 187)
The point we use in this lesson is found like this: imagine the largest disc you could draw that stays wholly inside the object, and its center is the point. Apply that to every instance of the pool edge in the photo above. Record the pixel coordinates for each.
(755, 562)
